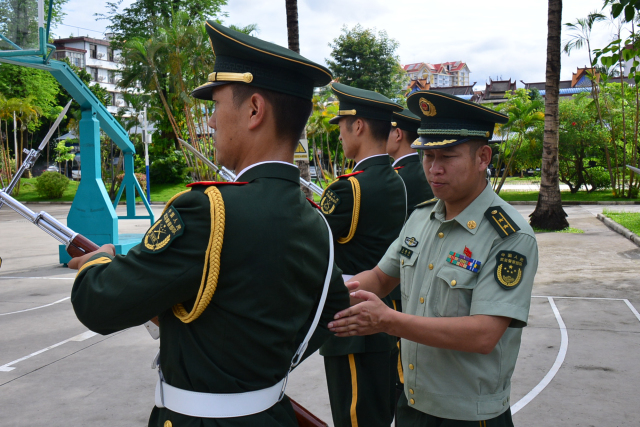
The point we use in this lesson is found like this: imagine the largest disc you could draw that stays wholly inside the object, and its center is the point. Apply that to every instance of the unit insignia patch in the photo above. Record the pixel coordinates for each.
(329, 202)
(509, 269)
(411, 242)
(163, 232)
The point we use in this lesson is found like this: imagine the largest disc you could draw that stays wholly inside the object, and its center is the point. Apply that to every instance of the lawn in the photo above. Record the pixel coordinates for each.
(580, 196)
(629, 220)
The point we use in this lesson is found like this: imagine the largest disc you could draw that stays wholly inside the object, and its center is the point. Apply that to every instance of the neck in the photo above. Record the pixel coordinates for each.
(455, 207)
(404, 150)
(261, 151)
(368, 149)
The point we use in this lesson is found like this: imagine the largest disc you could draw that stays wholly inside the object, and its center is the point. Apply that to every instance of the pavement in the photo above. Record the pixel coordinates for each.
(578, 365)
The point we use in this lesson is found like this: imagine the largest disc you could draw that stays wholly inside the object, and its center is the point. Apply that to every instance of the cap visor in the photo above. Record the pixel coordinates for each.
(335, 120)
(205, 92)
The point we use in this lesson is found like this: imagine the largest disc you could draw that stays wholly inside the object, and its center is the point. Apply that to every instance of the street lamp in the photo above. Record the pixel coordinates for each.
(146, 140)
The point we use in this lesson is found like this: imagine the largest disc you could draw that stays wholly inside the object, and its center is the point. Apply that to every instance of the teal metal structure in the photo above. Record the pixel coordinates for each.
(92, 213)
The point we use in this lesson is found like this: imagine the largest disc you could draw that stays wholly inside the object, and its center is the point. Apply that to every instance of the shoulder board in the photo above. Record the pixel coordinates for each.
(398, 168)
(350, 174)
(499, 219)
(314, 204)
(210, 183)
(427, 203)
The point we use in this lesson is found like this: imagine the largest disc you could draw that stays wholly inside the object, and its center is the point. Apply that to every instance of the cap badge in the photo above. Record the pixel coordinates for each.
(427, 108)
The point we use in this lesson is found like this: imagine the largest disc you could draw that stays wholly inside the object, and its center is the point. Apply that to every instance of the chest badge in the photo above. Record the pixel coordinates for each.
(509, 269)
(411, 242)
(163, 232)
(464, 261)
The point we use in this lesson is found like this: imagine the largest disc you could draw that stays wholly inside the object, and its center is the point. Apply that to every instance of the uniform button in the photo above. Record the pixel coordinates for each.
(412, 401)
(402, 262)
(421, 300)
(430, 266)
(167, 423)
(441, 235)
(411, 390)
(453, 283)
(411, 366)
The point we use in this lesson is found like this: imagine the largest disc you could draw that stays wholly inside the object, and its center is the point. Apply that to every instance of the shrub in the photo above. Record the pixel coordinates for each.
(599, 178)
(171, 169)
(51, 185)
(141, 177)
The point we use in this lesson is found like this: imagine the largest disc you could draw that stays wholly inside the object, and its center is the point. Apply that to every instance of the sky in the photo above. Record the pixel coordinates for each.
(497, 39)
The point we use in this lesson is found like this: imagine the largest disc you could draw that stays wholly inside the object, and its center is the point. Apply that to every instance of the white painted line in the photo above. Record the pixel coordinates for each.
(83, 336)
(564, 345)
(35, 308)
(587, 298)
(632, 308)
(45, 278)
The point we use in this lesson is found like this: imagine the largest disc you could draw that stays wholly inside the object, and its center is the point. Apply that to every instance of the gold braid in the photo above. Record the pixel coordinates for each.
(212, 260)
(355, 186)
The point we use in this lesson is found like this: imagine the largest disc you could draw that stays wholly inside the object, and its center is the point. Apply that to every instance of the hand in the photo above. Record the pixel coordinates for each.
(366, 318)
(77, 263)
(353, 287)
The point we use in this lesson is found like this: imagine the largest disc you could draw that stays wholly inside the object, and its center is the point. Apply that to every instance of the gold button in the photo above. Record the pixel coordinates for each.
(494, 212)
(411, 390)
(167, 423)
(441, 235)
(471, 225)
(453, 283)
(412, 401)
(402, 262)
(430, 266)
(421, 300)
(411, 366)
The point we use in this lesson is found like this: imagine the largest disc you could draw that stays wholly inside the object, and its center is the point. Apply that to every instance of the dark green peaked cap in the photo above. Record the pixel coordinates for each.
(447, 120)
(362, 103)
(405, 120)
(245, 59)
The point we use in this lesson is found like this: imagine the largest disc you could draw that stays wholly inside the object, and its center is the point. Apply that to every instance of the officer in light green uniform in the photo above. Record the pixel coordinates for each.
(466, 264)
(366, 210)
(235, 271)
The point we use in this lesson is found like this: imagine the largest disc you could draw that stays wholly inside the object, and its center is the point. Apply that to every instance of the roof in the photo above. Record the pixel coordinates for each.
(436, 68)
(81, 39)
(456, 90)
(569, 91)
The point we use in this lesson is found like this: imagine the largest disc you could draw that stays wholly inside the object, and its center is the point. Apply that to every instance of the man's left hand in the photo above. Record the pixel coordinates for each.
(77, 263)
(366, 318)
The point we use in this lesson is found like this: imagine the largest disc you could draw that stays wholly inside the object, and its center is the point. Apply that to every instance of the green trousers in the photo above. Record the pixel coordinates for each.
(411, 417)
(361, 388)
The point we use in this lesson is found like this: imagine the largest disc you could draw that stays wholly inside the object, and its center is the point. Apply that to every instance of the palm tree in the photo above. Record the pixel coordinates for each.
(549, 213)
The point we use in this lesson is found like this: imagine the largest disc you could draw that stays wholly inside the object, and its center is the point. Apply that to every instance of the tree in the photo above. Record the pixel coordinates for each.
(366, 60)
(549, 213)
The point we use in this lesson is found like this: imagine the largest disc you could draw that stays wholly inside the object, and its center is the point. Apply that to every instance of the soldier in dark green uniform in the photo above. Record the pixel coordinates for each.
(404, 131)
(234, 271)
(366, 210)
(466, 265)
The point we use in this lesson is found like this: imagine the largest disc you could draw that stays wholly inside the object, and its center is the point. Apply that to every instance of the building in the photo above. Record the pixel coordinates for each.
(495, 92)
(98, 59)
(445, 74)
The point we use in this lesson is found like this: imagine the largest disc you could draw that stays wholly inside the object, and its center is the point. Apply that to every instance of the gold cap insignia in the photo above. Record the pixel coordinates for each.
(427, 107)
(394, 124)
(347, 112)
(471, 225)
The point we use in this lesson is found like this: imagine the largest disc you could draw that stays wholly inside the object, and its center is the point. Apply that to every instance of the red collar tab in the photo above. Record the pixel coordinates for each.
(209, 183)
(350, 174)
(314, 204)
(398, 168)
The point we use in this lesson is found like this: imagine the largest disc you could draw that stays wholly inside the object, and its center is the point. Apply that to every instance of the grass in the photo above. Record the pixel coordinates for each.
(629, 220)
(571, 230)
(567, 196)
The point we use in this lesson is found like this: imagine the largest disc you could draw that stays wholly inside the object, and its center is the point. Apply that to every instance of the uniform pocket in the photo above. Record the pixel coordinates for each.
(455, 289)
(407, 270)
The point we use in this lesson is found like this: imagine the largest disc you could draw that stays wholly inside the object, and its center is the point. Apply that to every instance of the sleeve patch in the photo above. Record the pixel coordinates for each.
(509, 269)
(499, 219)
(163, 232)
(330, 200)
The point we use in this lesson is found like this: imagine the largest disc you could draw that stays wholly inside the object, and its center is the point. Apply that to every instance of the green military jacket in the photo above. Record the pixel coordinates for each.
(410, 170)
(438, 279)
(381, 213)
(273, 262)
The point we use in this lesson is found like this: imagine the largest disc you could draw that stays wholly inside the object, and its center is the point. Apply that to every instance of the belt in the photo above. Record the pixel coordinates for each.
(229, 405)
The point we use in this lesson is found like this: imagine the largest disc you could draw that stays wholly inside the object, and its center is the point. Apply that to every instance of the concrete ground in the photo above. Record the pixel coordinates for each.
(578, 365)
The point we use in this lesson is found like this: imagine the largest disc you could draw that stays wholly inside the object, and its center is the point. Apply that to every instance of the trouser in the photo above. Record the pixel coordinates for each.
(411, 417)
(361, 389)
(395, 358)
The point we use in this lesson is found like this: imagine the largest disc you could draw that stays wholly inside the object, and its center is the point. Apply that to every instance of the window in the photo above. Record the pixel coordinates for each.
(112, 76)
(93, 49)
(110, 54)
(94, 73)
(114, 97)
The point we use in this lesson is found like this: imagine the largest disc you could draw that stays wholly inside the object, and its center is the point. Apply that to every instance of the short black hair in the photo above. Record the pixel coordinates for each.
(379, 128)
(474, 144)
(290, 112)
(408, 135)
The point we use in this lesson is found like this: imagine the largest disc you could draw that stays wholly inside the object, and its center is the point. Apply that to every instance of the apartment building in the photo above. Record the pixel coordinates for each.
(445, 74)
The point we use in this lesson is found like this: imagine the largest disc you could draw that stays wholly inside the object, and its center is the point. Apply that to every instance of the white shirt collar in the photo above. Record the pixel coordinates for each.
(406, 155)
(367, 158)
(261, 163)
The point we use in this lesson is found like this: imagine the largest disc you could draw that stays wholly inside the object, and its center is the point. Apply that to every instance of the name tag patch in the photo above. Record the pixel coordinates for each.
(163, 232)
(406, 252)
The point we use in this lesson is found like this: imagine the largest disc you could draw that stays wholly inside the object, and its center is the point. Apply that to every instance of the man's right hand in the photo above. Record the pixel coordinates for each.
(77, 263)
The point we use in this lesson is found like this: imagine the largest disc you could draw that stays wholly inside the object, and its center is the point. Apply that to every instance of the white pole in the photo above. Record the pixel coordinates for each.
(15, 138)
(145, 140)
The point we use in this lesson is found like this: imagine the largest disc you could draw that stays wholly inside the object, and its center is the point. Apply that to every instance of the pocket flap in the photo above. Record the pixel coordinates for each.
(408, 256)
(458, 277)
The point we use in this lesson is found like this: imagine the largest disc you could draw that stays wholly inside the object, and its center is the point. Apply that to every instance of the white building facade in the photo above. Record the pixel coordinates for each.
(440, 75)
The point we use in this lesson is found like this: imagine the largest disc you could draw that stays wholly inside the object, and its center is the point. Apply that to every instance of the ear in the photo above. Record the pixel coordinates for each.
(399, 134)
(358, 127)
(257, 109)
(483, 157)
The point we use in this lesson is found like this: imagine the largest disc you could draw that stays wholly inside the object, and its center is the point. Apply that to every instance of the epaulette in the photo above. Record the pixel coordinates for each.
(210, 183)
(397, 168)
(427, 203)
(350, 174)
(314, 204)
(499, 219)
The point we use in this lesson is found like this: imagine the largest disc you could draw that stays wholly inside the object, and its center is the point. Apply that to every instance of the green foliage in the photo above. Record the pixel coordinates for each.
(168, 170)
(63, 153)
(22, 82)
(629, 220)
(366, 60)
(51, 185)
